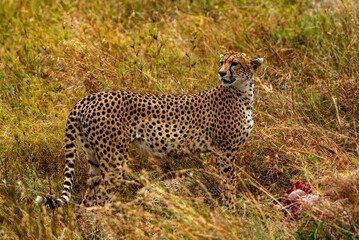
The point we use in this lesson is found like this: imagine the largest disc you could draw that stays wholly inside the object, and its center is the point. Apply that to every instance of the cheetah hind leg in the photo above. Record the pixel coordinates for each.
(113, 169)
(90, 197)
(93, 182)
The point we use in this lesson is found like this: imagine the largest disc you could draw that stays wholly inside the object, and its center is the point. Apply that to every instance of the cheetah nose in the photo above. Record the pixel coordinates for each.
(222, 74)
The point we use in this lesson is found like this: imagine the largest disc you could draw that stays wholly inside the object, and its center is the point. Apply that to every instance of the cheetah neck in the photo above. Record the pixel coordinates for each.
(244, 93)
(244, 98)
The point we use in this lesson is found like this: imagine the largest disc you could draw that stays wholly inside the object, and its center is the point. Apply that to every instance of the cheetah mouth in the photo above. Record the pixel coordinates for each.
(228, 82)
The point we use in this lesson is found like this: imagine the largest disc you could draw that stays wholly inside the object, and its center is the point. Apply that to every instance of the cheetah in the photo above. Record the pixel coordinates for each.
(217, 120)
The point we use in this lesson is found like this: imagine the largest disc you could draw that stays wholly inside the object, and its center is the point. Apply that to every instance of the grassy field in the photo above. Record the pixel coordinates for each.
(306, 111)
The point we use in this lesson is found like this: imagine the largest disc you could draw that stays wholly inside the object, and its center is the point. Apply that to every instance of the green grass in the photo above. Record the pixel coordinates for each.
(55, 52)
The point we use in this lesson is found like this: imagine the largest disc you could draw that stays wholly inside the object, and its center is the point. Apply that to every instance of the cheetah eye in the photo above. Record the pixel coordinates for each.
(220, 63)
(234, 64)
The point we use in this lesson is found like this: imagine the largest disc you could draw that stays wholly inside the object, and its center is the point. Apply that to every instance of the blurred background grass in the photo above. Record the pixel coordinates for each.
(55, 52)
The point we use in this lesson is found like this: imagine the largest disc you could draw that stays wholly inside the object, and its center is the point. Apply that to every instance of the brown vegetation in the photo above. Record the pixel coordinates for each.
(306, 111)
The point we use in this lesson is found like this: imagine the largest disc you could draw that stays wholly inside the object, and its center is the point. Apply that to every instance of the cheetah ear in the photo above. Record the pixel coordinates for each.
(256, 63)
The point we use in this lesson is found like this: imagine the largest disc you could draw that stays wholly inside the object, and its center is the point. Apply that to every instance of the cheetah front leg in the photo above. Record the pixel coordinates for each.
(228, 180)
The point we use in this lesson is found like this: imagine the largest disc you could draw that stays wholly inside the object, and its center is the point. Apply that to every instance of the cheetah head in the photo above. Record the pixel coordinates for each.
(236, 69)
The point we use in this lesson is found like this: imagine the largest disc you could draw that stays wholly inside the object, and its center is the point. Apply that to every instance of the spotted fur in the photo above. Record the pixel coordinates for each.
(217, 120)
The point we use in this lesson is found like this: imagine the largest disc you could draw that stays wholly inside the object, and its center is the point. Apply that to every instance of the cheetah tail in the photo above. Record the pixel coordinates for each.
(69, 169)
(70, 152)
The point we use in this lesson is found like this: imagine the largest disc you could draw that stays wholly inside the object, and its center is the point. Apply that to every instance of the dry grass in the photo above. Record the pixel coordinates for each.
(306, 111)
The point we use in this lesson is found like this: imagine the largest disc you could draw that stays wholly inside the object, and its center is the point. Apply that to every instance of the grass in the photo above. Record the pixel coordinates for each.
(55, 52)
